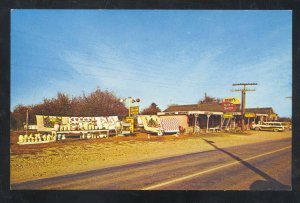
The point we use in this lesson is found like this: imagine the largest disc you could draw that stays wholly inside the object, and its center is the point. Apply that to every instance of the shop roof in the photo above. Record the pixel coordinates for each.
(265, 110)
(214, 107)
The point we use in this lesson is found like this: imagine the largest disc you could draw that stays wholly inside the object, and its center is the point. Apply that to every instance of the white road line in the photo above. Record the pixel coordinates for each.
(209, 170)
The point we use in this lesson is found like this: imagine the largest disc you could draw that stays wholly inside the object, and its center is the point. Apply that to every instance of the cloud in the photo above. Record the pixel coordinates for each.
(182, 76)
(104, 66)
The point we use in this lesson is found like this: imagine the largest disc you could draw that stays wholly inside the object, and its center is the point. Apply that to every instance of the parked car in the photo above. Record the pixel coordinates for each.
(287, 125)
(271, 126)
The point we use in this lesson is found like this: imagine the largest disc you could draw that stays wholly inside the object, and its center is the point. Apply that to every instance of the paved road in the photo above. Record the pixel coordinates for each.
(258, 166)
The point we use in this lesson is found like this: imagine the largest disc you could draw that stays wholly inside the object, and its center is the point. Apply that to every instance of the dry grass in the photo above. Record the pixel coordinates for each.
(30, 162)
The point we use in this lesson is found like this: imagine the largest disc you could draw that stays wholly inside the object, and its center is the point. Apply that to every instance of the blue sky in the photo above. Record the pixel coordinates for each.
(161, 56)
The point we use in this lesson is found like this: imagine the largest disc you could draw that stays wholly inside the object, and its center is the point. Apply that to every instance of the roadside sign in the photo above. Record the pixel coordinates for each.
(227, 115)
(273, 115)
(134, 110)
(232, 100)
(249, 115)
(228, 106)
(131, 121)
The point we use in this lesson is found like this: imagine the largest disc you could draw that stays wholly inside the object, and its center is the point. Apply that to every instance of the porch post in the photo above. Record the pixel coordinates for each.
(221, 122)
(248, 124)
(195, 115)
(227, 123)
(234, 122)
(207, 122)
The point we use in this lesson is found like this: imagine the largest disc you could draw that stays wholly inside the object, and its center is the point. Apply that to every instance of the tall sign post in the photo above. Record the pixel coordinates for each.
(27, 122)
(243, 91)
(130, 120)
(228, 107)
(132, 110)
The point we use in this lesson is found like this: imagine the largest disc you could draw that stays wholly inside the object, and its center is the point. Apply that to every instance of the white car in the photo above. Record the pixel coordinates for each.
(271, 126)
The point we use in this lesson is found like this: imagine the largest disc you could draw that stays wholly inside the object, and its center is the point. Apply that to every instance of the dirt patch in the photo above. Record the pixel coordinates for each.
(29, 162)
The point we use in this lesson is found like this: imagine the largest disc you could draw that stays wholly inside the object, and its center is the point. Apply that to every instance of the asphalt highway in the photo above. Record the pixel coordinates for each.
(258, 166)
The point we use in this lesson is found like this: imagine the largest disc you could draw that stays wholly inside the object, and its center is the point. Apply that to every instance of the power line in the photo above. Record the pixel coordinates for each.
(235, 84)
(247, 90)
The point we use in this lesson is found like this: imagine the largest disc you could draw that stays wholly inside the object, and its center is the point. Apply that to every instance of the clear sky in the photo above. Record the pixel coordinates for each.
(161, 56)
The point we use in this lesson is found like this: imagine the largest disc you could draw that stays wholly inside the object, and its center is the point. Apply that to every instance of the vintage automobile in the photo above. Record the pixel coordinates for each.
(287, 125)
(272, 126)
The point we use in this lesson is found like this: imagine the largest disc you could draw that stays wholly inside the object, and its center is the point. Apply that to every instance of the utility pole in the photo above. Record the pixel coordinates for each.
(243, 91)
(27, 122)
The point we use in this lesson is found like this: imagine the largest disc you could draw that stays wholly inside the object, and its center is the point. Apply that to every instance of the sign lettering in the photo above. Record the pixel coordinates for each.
(228, 107)
(134, 110)
(232, 100)
(131, 121)
(227, 115)
(249, 115)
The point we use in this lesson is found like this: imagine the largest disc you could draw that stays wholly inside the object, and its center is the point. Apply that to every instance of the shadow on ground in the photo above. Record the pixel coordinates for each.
(268, 184)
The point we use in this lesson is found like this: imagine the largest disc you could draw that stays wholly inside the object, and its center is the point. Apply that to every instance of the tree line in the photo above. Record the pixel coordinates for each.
(97, 103)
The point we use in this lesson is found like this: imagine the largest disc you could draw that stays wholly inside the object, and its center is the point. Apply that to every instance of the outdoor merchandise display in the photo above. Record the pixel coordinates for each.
(151, 123)
(59, 123)
(54, 128)
(160, 124)
(36, 138)
(170, 125)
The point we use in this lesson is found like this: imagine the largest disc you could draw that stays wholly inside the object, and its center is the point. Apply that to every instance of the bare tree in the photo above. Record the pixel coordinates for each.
(97, 103)
(151, 110)
(208, 99)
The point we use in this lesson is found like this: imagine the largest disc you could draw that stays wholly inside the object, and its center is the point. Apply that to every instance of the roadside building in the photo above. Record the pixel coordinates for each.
(211, 116)
(199, 116)
(263, 114)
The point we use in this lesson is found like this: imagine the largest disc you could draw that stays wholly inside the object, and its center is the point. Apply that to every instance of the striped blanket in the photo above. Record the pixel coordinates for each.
(170, 125)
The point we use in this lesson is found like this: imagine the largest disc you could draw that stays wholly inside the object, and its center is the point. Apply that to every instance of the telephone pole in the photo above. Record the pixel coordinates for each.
(243, 98)
(27, 122)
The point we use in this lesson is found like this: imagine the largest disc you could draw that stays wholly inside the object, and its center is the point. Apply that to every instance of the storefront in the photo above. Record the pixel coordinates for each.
(211, 116)
(263, 114)
(199, 116)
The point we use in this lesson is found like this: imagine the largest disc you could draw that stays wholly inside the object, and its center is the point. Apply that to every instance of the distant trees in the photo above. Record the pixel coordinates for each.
(151, 110)
(284, 119)
(172, 105)
(97, 103)
(209, 99)
(18, 116)
(102, 103)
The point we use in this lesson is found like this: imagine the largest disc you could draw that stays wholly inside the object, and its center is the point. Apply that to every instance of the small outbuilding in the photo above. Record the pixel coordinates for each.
(262, 114)
(199, 116)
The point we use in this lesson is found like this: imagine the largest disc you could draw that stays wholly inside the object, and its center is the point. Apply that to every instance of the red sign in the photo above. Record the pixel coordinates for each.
(228, 106)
